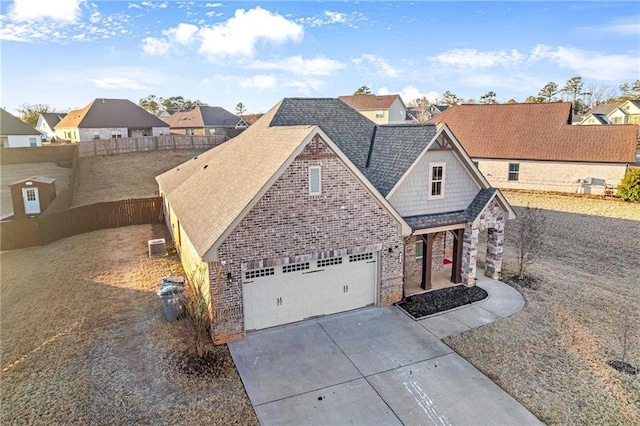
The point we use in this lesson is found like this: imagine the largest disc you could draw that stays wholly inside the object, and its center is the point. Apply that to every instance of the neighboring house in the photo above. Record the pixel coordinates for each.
(164, 114)
(383, 109)
(46, 123)
(15, 133)
(597, 115)
(315, 209)
(533, 146)
(108, 119)
(251, 118)
(206, 121)
(627, 113)
(421, 114)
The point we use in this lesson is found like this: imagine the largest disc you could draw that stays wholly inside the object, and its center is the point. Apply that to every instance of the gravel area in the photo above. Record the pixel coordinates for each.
(553, 355)
(84, 340)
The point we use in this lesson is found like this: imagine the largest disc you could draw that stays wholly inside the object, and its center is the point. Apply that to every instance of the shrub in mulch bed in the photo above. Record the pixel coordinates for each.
(420, 305)
(623, 367)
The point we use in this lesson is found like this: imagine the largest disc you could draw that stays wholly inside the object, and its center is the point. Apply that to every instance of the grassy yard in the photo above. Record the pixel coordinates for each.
(84, 339)
(118, 177)
(552, 356)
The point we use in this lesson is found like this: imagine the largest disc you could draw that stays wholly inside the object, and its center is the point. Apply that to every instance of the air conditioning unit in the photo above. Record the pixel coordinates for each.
(157, 247)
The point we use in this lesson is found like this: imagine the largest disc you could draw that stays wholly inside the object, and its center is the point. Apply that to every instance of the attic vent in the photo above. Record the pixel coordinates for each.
(157, 247)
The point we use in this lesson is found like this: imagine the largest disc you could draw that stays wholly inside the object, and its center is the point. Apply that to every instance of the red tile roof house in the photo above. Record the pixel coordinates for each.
(315, 209)
(535, 147)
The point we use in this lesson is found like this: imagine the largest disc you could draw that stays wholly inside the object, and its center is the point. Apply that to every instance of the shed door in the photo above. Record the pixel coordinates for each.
(284, 294)
(31, 200)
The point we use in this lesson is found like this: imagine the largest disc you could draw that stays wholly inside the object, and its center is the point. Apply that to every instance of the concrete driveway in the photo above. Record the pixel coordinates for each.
(369, 366)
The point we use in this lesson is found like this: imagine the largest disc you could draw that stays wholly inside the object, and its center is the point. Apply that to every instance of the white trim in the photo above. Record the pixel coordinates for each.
(421, 242)
(319, 191)
(430, 195)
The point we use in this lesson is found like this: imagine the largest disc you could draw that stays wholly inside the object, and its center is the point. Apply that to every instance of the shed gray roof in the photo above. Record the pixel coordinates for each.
(382, 153)
(452, 218)
(12, 125)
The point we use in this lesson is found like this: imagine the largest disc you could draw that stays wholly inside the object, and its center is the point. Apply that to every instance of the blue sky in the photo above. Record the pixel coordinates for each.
(65, 53)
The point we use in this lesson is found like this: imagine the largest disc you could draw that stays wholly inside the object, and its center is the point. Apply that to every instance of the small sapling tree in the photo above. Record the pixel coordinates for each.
(529, 232)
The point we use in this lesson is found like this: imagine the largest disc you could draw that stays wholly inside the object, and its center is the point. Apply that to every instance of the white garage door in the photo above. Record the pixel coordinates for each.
(284, 294)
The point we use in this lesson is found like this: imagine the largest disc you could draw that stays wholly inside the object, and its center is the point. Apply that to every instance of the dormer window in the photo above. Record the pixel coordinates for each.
(315, 180)
(380, 114)
(436, 180)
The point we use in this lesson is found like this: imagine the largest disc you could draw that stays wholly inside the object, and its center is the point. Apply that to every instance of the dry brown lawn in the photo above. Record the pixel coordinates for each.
(123, 176)
(552, 355)
(84, 339)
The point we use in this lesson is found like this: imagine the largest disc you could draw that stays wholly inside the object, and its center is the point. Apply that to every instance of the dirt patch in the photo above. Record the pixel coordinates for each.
(84, 339)
(123, 176)
(432, 302)
(552, 355)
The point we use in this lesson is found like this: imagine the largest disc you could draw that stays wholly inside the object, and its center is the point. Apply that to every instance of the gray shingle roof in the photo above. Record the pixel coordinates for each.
(202, 116)
(104, 113)
(452, 218)
(12, 125)
(53, 118)
(382, 153)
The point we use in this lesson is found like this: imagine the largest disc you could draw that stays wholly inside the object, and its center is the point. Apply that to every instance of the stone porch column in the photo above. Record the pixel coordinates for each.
(469, 255)
(493, 264)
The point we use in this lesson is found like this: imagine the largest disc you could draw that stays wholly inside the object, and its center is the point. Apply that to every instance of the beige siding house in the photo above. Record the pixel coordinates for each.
(315, 209)
(206, 121)
(383, 109)
(109, 119)
(534, 146)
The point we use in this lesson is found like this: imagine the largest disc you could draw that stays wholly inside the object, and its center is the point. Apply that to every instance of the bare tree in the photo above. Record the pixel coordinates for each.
(530, 229)
(598, 94)
(421, 109)
(627, 333)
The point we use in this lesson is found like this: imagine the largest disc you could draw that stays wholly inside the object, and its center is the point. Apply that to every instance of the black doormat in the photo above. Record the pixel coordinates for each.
(432, 302)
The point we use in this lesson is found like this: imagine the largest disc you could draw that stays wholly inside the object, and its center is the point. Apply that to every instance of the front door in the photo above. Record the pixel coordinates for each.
(31, 200)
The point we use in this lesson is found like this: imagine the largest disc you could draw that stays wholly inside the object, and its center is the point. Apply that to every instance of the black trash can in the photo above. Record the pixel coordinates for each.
(173, 300)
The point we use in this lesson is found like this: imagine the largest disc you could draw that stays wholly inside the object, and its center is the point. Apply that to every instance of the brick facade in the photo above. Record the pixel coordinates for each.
(288, 225)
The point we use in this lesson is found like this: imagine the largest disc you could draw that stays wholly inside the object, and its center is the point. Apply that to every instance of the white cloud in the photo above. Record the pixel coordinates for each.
(628, 26)
(213, 13)
(329, 17)
(374, 64)
(239, 35)
(259, 82)
(588, 64)
(182, 34)
(212, 5)
(306, 87)
(132, 78)
(154, 46)
(154, 4)
(472, 58)
(36, 10)
(299, 65)
(411, 93)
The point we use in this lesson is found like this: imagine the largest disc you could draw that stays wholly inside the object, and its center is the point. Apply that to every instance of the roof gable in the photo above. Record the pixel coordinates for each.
(536, 132)
(12, 125)
(109, 113)
(202, 116)
(370, 102)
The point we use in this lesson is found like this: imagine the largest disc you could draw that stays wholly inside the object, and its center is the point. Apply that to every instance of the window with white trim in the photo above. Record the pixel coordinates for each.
(380, 114)
(96, 135)
(32, 142)
(514, 171)
(419, 249)
(315, 180)
(116, 134)
(436, 180)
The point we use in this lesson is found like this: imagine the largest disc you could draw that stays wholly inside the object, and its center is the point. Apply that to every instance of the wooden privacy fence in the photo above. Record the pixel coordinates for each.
(148, 143)
(42, 230)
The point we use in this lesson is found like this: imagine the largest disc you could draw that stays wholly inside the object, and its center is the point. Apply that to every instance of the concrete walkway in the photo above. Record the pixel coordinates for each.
(503, 301)
(375, 366)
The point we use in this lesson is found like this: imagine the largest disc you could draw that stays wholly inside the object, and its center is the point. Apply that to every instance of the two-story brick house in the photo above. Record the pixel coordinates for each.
(315, 209)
